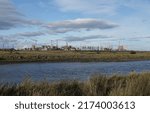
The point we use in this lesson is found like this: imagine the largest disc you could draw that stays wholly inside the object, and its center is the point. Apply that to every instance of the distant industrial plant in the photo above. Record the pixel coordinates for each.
(54, 45)
(69, 48)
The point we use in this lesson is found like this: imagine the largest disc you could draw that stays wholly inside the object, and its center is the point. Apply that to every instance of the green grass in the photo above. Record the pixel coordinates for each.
(69, 56)
(99, 85)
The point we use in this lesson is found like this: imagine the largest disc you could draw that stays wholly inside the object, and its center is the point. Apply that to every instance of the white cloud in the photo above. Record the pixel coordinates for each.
(80, 24)
(84, 38)
(106, 7)
(87, 6)
(22, 35)
(10, 17)
(30, 34)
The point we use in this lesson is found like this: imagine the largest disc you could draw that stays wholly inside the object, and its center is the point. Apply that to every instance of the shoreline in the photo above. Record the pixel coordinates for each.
(30, 62)
(17, 57)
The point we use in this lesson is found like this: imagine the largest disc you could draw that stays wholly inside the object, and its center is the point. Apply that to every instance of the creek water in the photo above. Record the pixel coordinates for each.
(67, 71)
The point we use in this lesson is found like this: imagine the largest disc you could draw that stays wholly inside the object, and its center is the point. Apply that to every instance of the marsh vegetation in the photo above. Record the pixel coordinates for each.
(133, 84)
(70, 56)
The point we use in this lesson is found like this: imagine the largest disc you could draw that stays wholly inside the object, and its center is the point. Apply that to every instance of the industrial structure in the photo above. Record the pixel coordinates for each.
(54, 45)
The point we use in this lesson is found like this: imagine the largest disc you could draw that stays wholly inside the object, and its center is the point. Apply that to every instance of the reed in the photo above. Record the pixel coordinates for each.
(133, 84)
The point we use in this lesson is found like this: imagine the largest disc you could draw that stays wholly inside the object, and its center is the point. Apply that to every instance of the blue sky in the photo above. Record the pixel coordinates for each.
(79, 22)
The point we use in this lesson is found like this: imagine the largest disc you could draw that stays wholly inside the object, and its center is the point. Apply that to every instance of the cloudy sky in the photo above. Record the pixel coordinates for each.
(78, 22)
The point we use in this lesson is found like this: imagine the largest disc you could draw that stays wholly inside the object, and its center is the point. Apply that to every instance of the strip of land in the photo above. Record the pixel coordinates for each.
(71, 56)
(133, 84)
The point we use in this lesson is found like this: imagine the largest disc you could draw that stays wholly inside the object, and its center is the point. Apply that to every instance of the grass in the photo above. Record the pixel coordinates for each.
(69, 56)
(133, 84)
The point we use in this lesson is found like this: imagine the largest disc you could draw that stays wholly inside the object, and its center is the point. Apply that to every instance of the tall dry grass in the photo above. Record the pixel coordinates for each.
(133, 84)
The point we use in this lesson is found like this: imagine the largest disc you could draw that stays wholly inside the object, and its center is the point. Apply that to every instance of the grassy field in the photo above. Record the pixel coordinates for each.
(69, 56)
(99, 85)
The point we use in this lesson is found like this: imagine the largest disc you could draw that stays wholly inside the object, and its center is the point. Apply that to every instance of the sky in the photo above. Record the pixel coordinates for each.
(78, 22)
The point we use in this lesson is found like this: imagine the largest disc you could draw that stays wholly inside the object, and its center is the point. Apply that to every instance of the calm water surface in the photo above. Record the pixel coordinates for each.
(65, 71)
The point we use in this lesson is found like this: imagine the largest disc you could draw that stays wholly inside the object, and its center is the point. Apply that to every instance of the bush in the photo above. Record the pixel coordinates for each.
(132, 52)
(2, 59)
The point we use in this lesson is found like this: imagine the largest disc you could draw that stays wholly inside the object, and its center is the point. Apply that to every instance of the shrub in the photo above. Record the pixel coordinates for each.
(132, 52)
